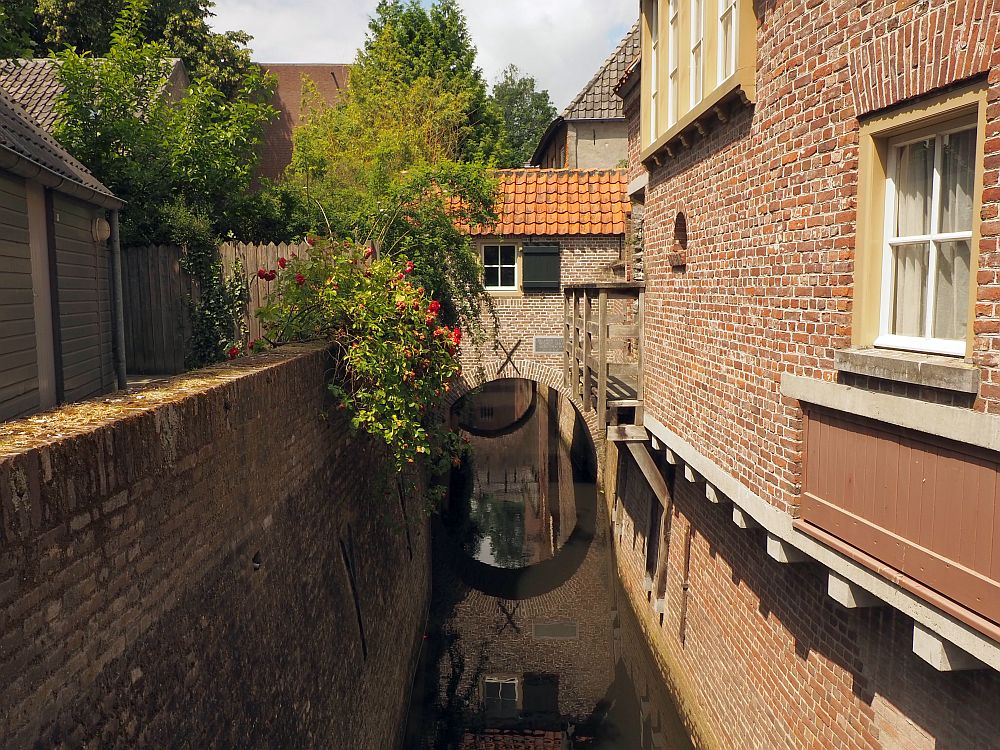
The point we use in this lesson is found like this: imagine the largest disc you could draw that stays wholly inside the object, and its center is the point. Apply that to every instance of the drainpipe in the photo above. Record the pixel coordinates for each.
(119, 306)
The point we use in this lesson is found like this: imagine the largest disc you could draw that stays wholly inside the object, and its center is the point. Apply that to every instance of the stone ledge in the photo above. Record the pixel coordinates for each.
(931, 370)
(754, 511)
(951, 422)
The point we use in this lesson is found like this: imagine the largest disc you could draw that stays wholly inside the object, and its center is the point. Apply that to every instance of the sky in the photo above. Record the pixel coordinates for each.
(561, 43)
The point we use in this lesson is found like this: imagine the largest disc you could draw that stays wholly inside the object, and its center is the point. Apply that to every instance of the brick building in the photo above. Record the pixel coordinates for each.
(289, 78)
(815, 488)
(556, 227)
(591, 131)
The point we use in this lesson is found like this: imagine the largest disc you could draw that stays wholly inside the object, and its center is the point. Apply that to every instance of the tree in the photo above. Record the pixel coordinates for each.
(182, 25)
(526, 112)
(409, 45)
(114, 118)
(15, 28)
(183, 168)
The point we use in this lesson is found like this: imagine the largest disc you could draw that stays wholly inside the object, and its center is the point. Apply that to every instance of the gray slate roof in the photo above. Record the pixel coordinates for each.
(598, 101)
(28, 150)
(33, 85)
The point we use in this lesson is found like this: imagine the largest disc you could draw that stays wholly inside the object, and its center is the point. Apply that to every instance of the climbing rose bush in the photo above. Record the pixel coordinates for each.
(393, 358)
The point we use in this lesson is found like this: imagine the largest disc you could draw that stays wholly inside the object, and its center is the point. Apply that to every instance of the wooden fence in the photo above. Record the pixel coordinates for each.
(157, 298)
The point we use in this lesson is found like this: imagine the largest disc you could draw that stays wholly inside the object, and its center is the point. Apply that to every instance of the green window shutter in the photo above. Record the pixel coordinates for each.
(540, 267)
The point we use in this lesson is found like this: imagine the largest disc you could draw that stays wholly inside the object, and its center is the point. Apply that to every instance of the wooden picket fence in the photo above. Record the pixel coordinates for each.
(157, 297)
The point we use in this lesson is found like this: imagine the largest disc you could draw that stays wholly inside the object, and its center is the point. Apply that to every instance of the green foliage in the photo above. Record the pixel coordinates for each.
(383, 169)
(409, 46)
(15, 28)
(114, 117)
(181, 25)
(393, 357)
(183, 168)
(526, 112)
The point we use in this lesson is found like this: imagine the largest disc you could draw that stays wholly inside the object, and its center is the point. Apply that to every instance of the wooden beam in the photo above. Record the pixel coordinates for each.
(587, 350)
(649, 470)
(627, 433)
(640, 343)
(602, 359)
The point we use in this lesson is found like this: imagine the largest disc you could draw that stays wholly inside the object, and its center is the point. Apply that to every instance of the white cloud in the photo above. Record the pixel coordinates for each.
(561, 43)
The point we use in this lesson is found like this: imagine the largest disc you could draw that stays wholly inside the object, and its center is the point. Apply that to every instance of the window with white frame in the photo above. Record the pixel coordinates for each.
(500, 697)
(727, 39)
(697, 47)
(673, 58)
(500, 267)
(654, 61)
(927, 255)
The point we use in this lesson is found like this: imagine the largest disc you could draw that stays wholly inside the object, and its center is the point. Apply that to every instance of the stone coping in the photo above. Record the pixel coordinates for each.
(950, 422)
(79, 418)
(931, 370)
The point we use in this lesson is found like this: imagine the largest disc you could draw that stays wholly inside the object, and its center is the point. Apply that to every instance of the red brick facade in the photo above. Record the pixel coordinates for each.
(770, 197)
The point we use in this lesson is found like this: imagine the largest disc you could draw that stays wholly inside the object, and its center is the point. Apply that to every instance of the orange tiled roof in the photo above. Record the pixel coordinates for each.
(560, 202)
(499, 739)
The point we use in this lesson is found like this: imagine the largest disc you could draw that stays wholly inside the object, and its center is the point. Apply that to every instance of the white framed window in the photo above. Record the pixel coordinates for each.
(727, 39)
(500, 268)
(673, 59)
(697, 50)
(654, 63)
(501, 697)
(927, 252)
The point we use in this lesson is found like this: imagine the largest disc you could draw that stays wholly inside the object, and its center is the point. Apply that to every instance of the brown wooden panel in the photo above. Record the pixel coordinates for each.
(925, 506)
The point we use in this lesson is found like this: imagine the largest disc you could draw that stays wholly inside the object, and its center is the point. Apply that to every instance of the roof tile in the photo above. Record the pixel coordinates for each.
(597, 100)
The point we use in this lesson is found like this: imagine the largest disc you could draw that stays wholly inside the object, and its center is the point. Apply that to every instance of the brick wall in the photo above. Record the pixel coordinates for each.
(770, 200)
(210, 562)
(768, 660)
(524, 316)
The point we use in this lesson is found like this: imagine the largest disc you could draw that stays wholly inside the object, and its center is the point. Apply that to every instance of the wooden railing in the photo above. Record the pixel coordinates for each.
(602, 358)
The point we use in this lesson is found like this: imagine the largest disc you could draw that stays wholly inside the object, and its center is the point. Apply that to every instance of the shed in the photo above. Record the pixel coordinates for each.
(57, 314)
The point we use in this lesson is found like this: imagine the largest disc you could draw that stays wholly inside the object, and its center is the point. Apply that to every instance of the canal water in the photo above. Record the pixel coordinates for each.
(529, 632)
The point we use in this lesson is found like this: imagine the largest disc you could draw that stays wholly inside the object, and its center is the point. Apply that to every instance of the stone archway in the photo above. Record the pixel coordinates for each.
(500, 369)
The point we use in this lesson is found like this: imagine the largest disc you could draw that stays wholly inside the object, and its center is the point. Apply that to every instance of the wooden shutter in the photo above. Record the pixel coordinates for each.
(540, 267)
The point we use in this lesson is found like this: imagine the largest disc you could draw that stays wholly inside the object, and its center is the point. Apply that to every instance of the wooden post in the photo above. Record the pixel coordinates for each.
(640, 319)
(587, 351)
(567, 339)
(602, 358)
(577, 347)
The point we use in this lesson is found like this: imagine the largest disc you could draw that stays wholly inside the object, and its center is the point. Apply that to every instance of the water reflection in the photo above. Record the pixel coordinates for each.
(527, 640)
(521, 499)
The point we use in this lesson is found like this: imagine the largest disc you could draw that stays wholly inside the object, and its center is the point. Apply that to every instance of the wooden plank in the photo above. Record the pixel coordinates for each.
(649, 470)
(640, 344)
(566, 329)
(627, 433)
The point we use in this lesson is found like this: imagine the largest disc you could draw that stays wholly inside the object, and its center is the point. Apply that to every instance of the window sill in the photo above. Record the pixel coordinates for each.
(505, 293)
(930, 370)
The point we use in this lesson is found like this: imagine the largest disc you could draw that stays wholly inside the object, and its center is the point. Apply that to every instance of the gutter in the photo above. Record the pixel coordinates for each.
(118, 304)
(25, 167)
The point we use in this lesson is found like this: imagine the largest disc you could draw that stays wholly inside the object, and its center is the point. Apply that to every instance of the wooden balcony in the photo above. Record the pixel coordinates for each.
(917, 508)
(602, 361)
